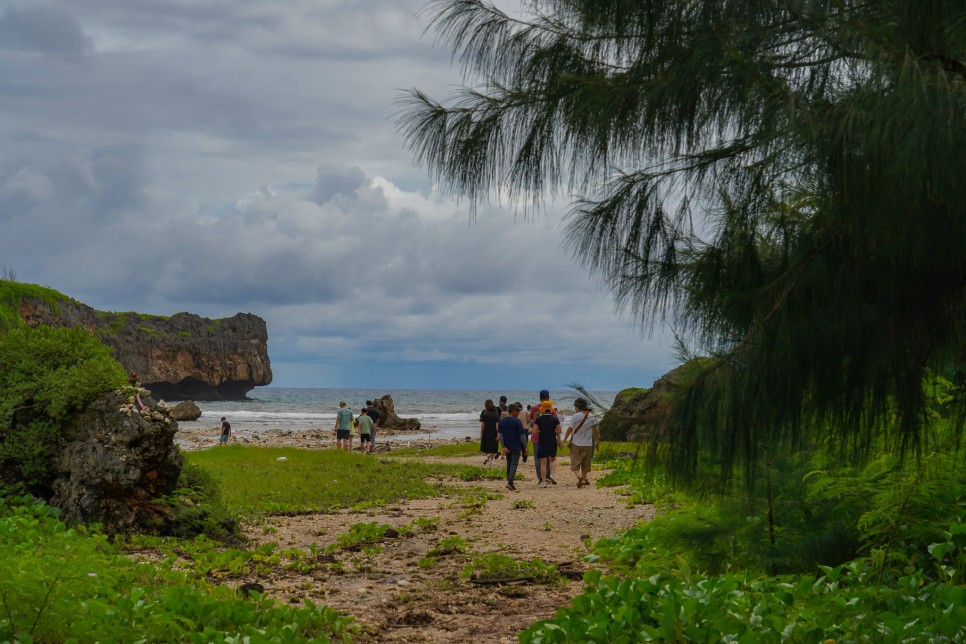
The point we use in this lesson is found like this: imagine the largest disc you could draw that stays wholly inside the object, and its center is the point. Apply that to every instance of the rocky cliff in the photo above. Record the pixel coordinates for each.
(181, 357)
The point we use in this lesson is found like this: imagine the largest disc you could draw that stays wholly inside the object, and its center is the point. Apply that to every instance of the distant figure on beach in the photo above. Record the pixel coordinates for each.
(586, 435)
(225, 431)
(489, 419)
(373, 413)
(503, 406)
(545, 445)
(343, 428)
(514, 439)
(364, 426)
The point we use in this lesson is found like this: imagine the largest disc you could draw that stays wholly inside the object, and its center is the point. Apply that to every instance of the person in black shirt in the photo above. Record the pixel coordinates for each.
(489, 419)
(225, 431)
(548, 437)
(372, 413)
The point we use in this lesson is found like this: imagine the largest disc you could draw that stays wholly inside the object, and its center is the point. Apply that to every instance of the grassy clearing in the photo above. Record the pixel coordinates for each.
(252, 481)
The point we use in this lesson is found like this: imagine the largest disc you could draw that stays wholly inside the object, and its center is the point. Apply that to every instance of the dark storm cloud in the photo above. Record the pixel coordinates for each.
(42, 30)
(219, 156)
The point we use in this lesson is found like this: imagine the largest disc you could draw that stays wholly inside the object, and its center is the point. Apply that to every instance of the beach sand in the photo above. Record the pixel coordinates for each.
(193, 439)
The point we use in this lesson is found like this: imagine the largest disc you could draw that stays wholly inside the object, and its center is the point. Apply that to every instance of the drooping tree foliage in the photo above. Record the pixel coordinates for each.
(783, 180)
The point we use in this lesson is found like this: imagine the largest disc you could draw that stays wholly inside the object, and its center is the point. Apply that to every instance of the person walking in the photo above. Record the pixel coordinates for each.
(489, 419)
(533, 412)
(545, 445)
(514, 440)
(343, 427)
(373, 413)
(583, 434)
(225, 430)
(364, 426)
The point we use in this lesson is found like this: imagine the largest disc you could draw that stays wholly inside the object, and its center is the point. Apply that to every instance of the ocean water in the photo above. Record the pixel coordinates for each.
(444, 413)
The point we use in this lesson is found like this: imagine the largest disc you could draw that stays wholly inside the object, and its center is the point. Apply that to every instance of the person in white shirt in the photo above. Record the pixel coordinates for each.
(583, 434)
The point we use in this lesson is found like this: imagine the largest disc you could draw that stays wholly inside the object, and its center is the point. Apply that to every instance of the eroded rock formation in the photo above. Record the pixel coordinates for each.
(181, 357)
(388, 418)
(114, 460)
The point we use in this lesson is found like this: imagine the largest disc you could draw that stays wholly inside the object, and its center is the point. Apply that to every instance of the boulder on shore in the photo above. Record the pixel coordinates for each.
(388, 419)
(114, 461)
(187, 410)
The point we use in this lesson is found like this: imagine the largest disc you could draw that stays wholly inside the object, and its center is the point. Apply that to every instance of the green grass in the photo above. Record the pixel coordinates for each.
(252, 481)
(461, 449)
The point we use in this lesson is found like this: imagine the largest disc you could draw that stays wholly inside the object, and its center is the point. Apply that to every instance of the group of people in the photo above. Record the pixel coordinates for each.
(365, 425)
(505, 430)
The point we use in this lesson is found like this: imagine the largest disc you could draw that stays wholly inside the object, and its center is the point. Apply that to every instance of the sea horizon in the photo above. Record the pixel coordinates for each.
(443, 413)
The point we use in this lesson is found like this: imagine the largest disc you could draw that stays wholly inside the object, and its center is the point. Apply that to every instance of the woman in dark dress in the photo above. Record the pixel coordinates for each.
(489, 419)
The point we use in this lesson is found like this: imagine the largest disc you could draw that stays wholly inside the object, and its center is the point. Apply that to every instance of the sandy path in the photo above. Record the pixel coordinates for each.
(396, 600)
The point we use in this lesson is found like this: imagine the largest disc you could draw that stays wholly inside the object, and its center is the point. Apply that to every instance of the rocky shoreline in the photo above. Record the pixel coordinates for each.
(386, 439)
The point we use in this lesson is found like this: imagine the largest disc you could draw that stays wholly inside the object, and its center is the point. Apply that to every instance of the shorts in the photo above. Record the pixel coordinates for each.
(580, 457)
(546, 451)
(342, 434)
(223, 438)
(365, 438)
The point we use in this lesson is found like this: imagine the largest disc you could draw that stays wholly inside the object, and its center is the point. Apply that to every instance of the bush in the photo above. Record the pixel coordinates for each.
(46, 374)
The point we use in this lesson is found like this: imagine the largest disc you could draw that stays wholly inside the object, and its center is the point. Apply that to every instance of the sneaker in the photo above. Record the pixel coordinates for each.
(544, 484)
(580, 482)
(586, 481)
(510, 487)
(550, 478)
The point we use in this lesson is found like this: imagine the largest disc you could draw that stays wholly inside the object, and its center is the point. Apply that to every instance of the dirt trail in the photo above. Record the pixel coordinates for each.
(398, 601)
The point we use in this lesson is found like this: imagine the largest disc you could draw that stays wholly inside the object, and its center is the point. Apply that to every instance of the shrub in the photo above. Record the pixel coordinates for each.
(46, 374)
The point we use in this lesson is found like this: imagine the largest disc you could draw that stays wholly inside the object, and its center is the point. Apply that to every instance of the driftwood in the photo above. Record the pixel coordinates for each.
(500, 582)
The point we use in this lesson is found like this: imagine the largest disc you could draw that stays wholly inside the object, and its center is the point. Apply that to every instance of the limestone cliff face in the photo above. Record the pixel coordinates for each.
(182, 357)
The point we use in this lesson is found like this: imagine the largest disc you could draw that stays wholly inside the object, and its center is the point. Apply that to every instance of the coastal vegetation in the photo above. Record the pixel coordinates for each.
(186, 589)
(46, 375)
(11, 292)
(780, 182)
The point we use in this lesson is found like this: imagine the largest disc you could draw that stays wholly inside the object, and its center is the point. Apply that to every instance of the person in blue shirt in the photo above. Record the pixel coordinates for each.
(343, 427)
(513, 437)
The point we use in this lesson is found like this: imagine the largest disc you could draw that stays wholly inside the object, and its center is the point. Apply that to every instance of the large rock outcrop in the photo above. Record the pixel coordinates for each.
(114, 460)
(388, 420)
(642, 414)
(181, 357)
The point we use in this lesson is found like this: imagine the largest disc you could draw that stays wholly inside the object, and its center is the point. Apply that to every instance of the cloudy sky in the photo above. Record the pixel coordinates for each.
(217, 156)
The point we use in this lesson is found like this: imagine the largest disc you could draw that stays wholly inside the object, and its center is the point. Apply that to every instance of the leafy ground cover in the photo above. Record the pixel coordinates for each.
(62, 584)
(819, 552)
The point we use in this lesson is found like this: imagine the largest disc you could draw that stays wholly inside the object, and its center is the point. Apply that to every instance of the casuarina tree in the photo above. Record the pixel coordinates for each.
(781, 180)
